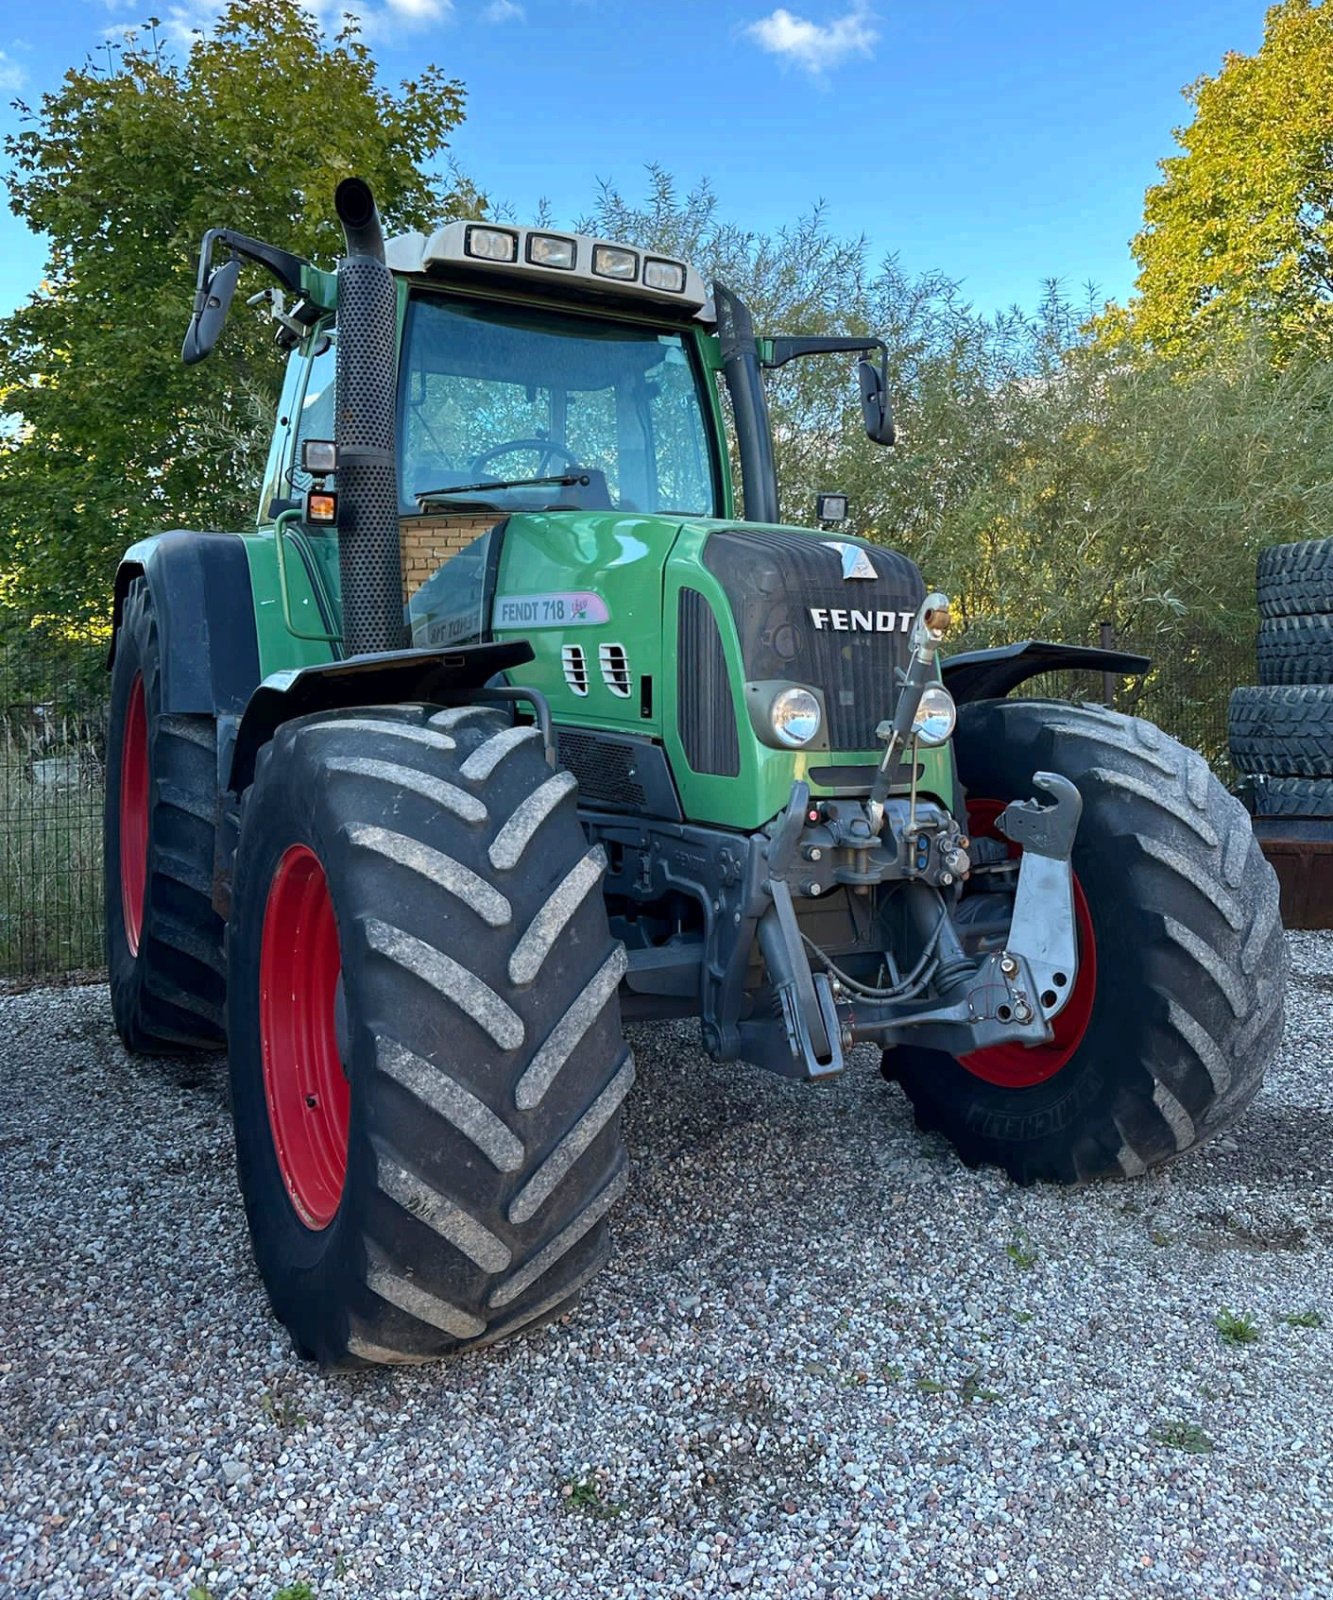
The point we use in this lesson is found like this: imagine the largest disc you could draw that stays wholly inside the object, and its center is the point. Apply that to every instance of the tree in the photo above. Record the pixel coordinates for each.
(1047, 481)
(106, 436)
(1241, 226)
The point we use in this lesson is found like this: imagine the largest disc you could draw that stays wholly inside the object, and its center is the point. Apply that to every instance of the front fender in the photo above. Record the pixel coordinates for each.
(394, 677)
(992, 674)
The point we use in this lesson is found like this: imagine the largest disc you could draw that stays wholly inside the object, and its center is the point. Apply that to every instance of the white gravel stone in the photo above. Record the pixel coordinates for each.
(813, 1369)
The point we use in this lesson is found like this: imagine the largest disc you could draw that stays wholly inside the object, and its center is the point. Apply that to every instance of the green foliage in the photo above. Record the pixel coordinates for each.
(1303, 1319)
(105, 436)
(1234, 1329)
(1241, 227)
(1048, 481)
(584, 1494)
(1186, 1436)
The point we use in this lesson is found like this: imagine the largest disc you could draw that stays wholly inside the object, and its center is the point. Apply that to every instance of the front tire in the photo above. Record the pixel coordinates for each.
(163, 937)
(1186, 1006)
(427, 1062)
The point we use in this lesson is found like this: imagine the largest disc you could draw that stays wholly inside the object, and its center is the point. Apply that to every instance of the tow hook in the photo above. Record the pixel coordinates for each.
(1042, 932)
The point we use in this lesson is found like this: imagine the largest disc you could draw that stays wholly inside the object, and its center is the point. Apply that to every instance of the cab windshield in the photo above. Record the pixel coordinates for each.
(494, 398)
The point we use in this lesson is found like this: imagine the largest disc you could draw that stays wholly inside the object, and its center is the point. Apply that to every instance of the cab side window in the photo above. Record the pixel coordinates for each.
(314, 418)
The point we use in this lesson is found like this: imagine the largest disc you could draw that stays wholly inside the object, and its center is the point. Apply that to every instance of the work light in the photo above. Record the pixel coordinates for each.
(610, 262)
(492, 244)
(668, 275)
(549, 250)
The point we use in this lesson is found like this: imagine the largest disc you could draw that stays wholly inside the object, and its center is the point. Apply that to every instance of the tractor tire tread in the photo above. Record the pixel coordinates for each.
(1283, 731)
(1293, 579)
(1211, 1019)
(482, 1215)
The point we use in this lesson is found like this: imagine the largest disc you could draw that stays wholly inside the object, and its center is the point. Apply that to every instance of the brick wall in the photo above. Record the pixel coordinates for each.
(428, 542)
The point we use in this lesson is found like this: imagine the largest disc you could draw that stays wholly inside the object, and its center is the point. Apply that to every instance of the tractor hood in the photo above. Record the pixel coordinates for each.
(666, 629)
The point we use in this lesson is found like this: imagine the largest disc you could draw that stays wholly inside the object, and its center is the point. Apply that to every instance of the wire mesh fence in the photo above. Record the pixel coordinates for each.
(53, 745)
(52, 763)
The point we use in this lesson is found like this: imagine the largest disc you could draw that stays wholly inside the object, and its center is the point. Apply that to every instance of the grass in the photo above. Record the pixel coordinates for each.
(1187, 1436)
(1234, 1329)
(584, 1494)
(1021, 1252)
(50, 858)
(1303, 1319)
(284, 1413)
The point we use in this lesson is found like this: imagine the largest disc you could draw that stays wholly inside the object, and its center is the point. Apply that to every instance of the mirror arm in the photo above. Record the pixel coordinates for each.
(284, 266)
(789, 347)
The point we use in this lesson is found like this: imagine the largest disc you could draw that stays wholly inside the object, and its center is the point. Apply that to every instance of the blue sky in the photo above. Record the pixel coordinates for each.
(999, 141)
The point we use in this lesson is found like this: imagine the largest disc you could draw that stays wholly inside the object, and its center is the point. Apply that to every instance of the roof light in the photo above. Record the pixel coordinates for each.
(549, 250)
(492, 244)
(669, 275)
(610, 262)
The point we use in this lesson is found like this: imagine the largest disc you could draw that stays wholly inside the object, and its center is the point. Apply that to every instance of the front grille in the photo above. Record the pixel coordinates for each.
(604, 769)
(773, 580)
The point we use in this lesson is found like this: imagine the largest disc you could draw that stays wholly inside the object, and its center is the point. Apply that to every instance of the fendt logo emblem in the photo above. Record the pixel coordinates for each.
(855, 562)
(825, 617)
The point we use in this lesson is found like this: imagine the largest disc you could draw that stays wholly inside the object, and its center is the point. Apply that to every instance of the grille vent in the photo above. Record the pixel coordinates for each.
(615, 669)
(575, 663)
(705, 709)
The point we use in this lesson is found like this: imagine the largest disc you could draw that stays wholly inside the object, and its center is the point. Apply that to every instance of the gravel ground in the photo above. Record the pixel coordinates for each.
(827, 1360)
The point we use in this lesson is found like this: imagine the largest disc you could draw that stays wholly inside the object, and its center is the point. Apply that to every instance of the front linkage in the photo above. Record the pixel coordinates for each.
(928, 991)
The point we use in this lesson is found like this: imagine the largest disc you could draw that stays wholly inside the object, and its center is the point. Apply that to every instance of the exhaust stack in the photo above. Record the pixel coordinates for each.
(370, 557)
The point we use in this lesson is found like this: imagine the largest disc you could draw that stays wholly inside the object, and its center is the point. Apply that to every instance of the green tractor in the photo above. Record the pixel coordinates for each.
(504, 726)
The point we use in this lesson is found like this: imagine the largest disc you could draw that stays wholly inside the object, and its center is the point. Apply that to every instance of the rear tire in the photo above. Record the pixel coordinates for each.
(1286, 731)
(1296, 649)
(1294, 797)
(163, 937)
(1296, 579)
(1190, 964)
(416, 908)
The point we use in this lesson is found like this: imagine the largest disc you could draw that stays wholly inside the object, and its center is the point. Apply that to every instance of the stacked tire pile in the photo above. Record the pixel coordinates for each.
(1281, 733)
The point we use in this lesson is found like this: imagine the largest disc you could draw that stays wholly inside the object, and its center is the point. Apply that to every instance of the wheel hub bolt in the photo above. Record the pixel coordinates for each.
(1008, 965)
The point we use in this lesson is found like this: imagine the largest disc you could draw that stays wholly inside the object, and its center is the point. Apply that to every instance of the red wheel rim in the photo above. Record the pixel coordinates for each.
(133, 822)
(1015, 1066)
(305, 1086)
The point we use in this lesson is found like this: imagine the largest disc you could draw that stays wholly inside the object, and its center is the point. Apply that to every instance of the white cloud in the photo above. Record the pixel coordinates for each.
(12, 76)
(420, 12)
(504, 11)
(817, 46)
(187, 17)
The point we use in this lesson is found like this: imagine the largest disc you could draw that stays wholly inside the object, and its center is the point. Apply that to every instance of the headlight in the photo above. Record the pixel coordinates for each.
(935, 716)
(795, 716)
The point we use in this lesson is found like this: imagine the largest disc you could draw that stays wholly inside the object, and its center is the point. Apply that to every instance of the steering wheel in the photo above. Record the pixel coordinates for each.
(547, 451)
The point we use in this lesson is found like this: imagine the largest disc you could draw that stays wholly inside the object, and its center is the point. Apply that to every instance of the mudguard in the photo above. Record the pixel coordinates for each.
(392, 677)
(992, 674)
(200, 584)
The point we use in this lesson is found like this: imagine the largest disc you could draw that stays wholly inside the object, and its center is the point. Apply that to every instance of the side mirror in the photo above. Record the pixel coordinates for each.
(211, 305)
(875, 406)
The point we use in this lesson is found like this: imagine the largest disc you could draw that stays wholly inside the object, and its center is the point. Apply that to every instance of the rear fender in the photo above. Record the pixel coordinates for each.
(200, 584)
(395, 677)
(992, 674)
